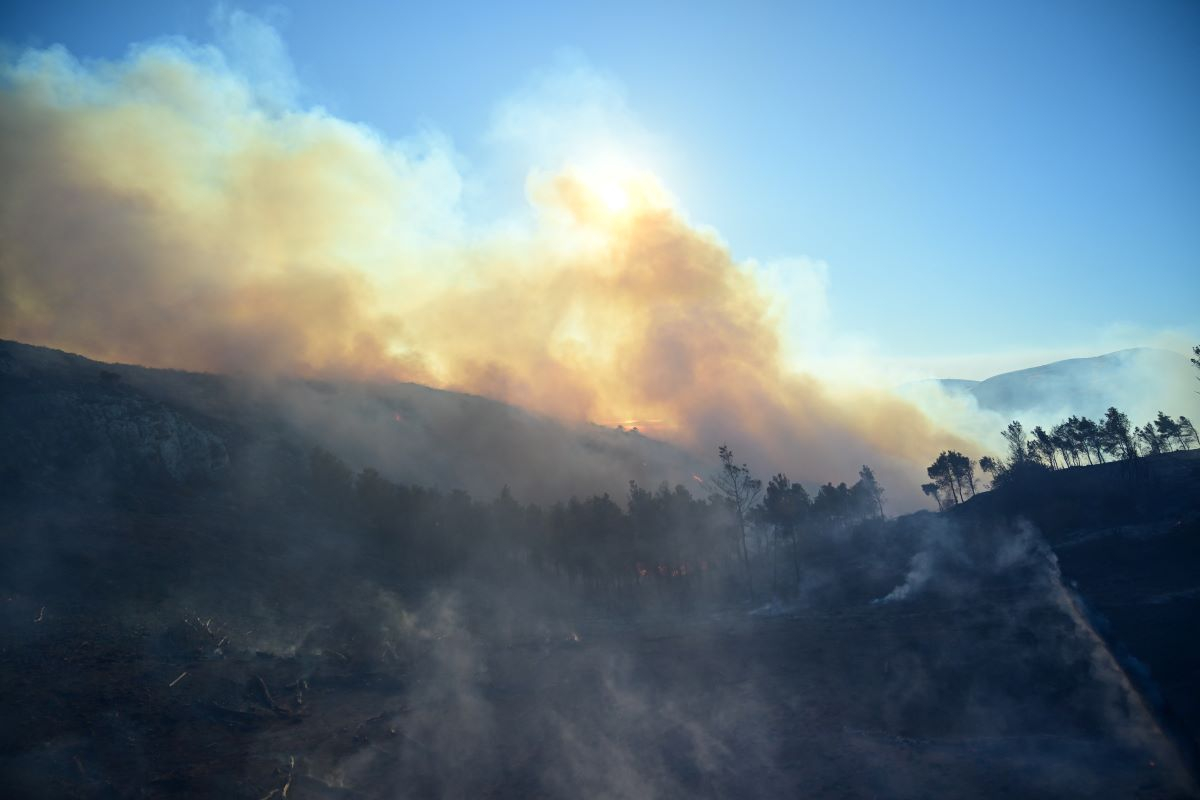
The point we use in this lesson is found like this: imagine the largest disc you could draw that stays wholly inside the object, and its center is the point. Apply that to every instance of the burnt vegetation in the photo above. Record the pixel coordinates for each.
(643, 547)
(198, 600)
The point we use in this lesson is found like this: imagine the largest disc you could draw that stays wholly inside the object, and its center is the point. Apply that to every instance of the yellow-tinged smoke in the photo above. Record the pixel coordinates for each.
(156, 210)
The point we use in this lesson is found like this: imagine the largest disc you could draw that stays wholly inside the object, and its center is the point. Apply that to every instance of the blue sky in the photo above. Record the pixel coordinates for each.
(980, 180)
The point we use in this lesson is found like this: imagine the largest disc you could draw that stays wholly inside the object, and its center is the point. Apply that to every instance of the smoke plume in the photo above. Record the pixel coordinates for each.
(169, 210)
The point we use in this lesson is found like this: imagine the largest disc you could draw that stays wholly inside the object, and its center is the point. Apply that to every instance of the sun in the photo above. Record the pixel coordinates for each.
(611, 194)
(617, 189)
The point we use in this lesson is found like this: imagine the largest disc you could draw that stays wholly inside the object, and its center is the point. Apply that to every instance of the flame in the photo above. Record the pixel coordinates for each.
(634, 423)
(697, 478)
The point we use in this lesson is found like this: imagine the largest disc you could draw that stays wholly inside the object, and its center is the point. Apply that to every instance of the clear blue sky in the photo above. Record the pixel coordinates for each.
(978, 177)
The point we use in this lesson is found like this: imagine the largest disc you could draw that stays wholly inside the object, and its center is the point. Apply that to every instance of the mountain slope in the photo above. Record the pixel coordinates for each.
(69, 416)
(1127, 538)
(187, 613)
(1140, 380)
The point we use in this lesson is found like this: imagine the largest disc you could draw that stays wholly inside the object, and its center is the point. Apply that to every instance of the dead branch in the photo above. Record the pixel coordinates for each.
(291, 771)
(287, 785)
(182, 675)
(266, 693)
(270, 701)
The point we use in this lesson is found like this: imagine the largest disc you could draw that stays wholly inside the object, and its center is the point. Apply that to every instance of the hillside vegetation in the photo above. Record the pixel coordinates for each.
(202, 598)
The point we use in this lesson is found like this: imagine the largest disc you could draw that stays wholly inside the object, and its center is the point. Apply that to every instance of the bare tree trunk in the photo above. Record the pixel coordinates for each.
(796, 557)
(775, 565)
(746, 557)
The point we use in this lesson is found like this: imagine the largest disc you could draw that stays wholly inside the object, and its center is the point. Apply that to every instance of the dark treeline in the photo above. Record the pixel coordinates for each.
(737, 540)
(1074, 442)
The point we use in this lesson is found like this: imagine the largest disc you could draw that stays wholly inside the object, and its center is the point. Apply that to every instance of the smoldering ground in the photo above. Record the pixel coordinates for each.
(436, 647)
(277, 658)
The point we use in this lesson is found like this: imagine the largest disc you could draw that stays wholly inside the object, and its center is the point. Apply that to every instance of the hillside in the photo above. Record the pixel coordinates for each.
(70, 419)
(1085, 386)
(194, 606)
(1127, 538)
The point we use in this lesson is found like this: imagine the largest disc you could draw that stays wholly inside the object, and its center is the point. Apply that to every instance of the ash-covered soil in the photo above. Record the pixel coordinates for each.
(993, 695)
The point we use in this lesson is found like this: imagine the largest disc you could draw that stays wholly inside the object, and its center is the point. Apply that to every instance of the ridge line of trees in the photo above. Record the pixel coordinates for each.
(1076, 441)
(1068, 444)
(666, 538)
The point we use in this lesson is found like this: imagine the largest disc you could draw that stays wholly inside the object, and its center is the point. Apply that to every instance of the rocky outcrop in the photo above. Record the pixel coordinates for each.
(130, 434)
(88, 428)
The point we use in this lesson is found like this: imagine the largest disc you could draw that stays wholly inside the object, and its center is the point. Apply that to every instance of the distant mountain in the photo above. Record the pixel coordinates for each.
(64, 417)
(1139, 380)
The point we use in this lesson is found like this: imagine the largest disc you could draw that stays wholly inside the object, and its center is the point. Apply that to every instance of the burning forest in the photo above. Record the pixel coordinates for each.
(378, 418)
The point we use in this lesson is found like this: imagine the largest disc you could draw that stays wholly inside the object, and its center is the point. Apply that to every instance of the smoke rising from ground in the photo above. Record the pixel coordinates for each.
(168, 210)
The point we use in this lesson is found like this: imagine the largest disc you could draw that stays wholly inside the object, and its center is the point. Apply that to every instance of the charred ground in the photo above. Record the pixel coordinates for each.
(188, 610)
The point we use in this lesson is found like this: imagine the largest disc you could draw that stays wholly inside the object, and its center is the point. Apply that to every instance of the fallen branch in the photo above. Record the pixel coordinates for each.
(262, 685)
(279, 710)
(41, 614)
(286, 786)
(291, 771)
(182, 675)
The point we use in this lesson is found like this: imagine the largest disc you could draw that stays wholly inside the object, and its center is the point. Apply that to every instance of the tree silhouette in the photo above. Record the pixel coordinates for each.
(785, 506)
(1091, 436)
(1043, 444)
(1148, 436)
(1188, 431)
(954, 474)
(1014, 434)
(1169, 432)
(833, 504)
(931, 490)
(939, 472)
(964, 470)
(740, 490)
(871, 488)
(1118, 436)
